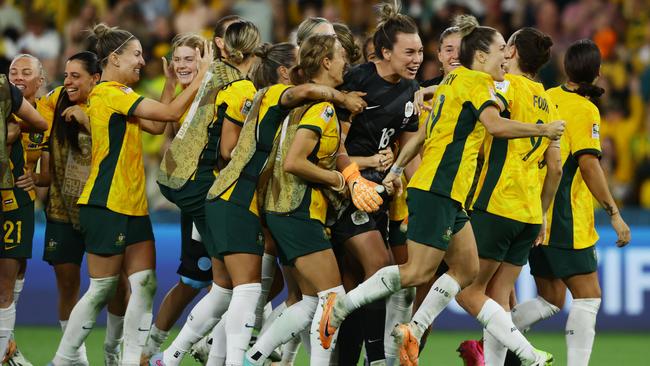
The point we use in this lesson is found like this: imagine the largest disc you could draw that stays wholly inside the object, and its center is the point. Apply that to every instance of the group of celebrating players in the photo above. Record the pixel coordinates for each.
(300, 155)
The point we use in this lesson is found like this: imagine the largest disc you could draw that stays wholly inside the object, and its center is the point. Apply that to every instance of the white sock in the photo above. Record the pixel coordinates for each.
(399, 309)
(305, 338)
(493, 350)
(274, 315)
(384, 282)
(83, 316)
(268, 271)
(114, 332)
(205, 314)
(441, 293)
(217, 356)
(18, 288)
(138, 316)
(156, 338)
(495, 320)
(528, 313)
(241, 321)
(292, 321)
(320, 356)
(83, 357)
(7, 323)
(290, 351)
(581, 330)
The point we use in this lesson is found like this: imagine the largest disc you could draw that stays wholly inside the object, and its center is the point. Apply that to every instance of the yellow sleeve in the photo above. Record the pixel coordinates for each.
(584, 133)
(239, 99)
(317, 117)
(123, 99)
(482, 95)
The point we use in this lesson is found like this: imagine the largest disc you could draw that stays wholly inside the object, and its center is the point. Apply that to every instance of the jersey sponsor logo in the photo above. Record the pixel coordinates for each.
(595, 131)
(408, 109)
(359, 217)
(372, 107)
(327, 113)
(246, 107)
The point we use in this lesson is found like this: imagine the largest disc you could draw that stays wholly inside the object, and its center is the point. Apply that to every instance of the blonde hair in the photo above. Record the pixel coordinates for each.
(240, 40)
(109, 40)
(306, 28)
(312, 52)
(345, 36)
(191, 40)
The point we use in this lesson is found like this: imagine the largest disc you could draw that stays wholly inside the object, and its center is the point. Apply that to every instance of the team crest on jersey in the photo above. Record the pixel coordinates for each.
(408, 109)
(36, 137)
(121, 240)
(595, 131)
(247, 107)
(447, 235)
(327, 114)
(51, 245)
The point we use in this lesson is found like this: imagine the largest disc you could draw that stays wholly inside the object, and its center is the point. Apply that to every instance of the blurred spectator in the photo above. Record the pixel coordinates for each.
(10, 17)
(43, 41)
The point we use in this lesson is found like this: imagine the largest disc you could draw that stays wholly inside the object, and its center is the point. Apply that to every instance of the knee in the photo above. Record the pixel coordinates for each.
(413, 276)
(144, 282)
(555, 298)
(101, 289)
(464, 276)
(6, 298)
(375, 263)
(68, 284)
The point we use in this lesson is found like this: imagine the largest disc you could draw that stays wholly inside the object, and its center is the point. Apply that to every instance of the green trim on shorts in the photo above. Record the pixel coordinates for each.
(107, 232)
(18, 232)
(63, 244)
(552, 262)
(433, 219)
(503, 239)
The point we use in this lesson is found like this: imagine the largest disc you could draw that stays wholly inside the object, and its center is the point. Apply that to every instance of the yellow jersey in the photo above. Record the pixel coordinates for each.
(570, 222)
(321, 119)
(237, 98)
(454, 134)
(270, 116)
(35, 142)
(509, 183)
(117, 179)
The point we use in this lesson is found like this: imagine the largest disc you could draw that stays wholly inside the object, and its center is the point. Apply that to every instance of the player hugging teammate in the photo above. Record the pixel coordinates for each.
(358, 181)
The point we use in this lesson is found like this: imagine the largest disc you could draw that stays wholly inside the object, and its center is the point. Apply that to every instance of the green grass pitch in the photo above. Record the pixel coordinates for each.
(39, 345)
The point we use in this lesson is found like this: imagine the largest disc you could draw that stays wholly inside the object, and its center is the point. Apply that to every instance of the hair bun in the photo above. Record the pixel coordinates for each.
(546, 42)
(466, 24)
(262, 51)
(100, 30)
(388, 11)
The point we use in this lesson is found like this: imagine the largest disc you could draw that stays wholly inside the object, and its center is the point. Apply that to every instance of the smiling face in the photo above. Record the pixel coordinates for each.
(494, 61)
(185, 65)
(130, 62)
(25, 74)
(338, 64)
(406, 56)
(448, 53)
(78, 83)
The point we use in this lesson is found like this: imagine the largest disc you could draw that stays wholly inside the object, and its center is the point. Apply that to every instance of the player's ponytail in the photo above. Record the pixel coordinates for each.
(270, 58)
(240, 40)
(391, 22)
(533, 48)
(582, 66)
(345, 36)
(108, 40)
(312, 52)
(474, 38)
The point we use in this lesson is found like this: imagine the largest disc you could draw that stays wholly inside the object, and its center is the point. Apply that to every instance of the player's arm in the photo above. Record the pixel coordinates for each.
(297, 95)
(594, 177)
(32, 120)
(30, 180)
(500, 127)
(229, 137)
(407, 153)
(553, 160)
(159, 127)
(297, 162)
(413, 165)
(13, 132)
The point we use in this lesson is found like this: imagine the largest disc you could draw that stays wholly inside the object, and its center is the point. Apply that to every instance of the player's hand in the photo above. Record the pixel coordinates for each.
(393, 183)
(205, 60)
(354, 102)
(26, 182)
(364, 195)
(554, 130)
(168, 70)
(541, 237)
(76, 114)
(622, 230)
(420, 96)
(384, 159)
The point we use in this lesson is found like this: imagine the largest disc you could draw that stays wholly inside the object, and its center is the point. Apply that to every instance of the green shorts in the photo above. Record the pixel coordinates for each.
(296, 237)
(190, 199)
(18, 232)
(109, 233)
(433, 219)
(503, 239)
(232, 229)
(396, 236)
(63, 244)
(551, 262)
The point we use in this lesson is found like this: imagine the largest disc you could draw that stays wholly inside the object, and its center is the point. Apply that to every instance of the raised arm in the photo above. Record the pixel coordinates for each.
(297, 95)
(31, 118)
(500, 127)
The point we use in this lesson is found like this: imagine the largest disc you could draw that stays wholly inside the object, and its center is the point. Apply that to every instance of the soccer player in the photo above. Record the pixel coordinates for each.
(199, 150)
(510, 193)
(567, 257)
(17, 204)
(113, 213)
(390, 116)
(438, 224)
(195, 267)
